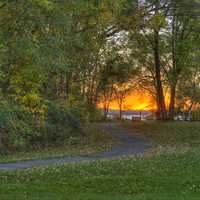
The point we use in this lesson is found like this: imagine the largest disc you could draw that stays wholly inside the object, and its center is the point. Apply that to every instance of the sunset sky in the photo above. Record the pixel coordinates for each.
(136, 101)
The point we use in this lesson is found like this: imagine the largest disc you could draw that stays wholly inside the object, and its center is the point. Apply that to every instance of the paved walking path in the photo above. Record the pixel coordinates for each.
(130, 144)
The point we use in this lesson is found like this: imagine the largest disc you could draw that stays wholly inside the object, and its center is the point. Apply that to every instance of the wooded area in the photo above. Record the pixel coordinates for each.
(59, 59)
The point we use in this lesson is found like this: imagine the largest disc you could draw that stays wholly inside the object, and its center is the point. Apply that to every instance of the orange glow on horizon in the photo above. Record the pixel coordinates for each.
(135, 101)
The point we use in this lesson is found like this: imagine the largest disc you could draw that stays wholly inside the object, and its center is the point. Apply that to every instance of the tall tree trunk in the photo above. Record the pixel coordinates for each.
(172, 102)
(189, 116)
(120, 111)
(106, 106)
(174, 76)
(105, 112)
(159, 88)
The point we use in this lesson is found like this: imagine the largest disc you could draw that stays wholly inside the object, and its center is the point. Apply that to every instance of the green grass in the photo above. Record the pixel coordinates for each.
(95, 140)
(173, 175)
(170, 176)
(168, 133)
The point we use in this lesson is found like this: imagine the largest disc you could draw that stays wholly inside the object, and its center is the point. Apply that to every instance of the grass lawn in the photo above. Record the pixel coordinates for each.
(168, 133)
(95, 140)
(170, 176)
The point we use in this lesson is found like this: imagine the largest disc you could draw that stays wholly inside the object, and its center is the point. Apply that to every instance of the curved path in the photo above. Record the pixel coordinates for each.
(130, 144)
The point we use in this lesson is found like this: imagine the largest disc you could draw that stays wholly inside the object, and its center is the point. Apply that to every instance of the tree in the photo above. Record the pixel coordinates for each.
(121, 92)
(146, 42)
(182, 29)
(161, 41)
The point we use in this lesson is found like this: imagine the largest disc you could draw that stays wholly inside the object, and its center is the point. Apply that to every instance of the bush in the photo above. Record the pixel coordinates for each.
(21, 129)
(93, 114)
(16, 127)
(61, 123)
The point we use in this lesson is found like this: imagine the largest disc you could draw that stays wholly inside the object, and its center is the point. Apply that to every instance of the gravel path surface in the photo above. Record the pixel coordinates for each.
(130, 144)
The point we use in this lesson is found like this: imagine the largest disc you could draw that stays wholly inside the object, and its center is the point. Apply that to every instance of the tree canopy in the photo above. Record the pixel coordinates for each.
(79, 53)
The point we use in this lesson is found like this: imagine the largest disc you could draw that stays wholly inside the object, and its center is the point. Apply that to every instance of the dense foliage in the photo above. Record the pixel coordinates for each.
(49, 60)
(58, 59)
(21, 129)
(16, 126)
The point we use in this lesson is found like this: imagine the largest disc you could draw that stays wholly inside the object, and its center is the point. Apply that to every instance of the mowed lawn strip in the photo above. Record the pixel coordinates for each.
(170, 176)
(168, 133)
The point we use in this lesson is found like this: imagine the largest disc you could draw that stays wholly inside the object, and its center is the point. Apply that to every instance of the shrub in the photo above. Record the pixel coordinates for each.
(61, 123)
(19, 128)
(16, 126)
